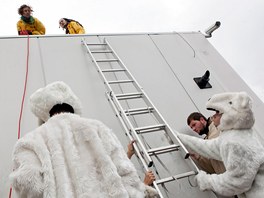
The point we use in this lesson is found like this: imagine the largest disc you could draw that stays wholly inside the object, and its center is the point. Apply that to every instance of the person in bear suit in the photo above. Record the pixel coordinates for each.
(237, 146)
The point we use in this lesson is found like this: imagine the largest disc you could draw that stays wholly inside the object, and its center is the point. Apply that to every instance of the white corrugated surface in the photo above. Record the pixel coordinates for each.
(163, 64)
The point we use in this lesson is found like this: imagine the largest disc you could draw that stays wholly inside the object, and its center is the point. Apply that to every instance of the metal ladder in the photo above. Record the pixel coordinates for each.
(125, 113)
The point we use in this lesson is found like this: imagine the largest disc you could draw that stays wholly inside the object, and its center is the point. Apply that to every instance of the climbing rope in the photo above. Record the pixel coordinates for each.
(22, 102)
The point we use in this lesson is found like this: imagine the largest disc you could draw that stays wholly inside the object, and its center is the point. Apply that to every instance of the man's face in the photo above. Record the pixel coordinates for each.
(26, 12)
(197, 125)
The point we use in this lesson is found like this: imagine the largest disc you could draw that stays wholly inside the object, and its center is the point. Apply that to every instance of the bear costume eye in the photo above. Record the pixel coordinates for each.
(230, 102)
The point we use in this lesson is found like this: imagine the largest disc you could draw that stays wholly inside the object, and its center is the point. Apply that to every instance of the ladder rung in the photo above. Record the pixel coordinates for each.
(101, 51)
(164, 149)
(120, 81)
(139, 111)
(113, 70)
(95, 43)
(129, 96)
(179, 176)
(107, 60)
(148, 129)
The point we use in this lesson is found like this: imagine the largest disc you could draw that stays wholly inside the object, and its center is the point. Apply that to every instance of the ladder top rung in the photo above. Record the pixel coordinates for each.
(164, 148)
(129, 94)
(113, 70)
(101, 51)
(120, 81)
(158, 126)
(107, 60)
(139, 110)
(179, 176)
(95, 43)
(172, 178)
(149, 129)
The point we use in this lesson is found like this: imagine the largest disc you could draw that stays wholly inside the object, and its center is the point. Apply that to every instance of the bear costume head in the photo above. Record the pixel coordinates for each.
(236, 110)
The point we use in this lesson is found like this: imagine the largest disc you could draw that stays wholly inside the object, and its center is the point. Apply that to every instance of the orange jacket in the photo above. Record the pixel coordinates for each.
(37, 28)
(75, 28)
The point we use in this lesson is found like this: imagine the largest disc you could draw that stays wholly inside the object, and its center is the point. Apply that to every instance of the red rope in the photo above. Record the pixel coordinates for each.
(22, 102)
(10, 192)
(24, 92)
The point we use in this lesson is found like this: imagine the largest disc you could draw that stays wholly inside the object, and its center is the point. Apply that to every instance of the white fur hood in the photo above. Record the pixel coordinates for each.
(235, 108)
(42, 100)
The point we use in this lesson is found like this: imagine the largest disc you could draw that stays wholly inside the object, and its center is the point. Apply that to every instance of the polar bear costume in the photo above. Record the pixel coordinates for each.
(237, 146)
(70, 156)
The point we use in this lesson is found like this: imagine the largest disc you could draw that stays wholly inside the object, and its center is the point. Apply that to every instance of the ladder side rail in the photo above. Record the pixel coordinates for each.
(126, 130)
(99, 70)
(170, 133)
(130, 126)
(123, 118)
(149, 103)
(169, 130)
(131, 138)
(136, 84)
(173, 136)
(148, 158)
(155, 183)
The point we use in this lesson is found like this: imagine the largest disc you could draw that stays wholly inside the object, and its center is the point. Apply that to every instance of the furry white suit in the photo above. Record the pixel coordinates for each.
(237, 146)
(70, 156)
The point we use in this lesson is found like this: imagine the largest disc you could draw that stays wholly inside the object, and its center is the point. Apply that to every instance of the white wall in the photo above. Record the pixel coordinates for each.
(163, 64)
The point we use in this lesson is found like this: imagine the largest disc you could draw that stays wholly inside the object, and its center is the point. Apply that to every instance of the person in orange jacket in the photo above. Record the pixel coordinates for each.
(71, 26)
(28, 25)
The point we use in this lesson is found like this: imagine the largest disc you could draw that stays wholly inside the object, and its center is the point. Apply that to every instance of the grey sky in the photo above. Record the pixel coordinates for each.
(239, 39)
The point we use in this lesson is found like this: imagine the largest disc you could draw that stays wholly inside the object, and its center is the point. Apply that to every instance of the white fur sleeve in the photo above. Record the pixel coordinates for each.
(241, 170)
(206, 148)
(125, 168)
(27, 177)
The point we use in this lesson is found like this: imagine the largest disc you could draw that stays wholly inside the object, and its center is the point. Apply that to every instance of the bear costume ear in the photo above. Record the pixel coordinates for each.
(245, 100)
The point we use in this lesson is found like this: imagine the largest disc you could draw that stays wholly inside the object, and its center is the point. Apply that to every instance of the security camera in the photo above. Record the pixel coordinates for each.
(210, 30)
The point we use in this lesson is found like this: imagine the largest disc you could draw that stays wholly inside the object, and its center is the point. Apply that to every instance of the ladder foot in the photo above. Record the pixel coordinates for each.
(150, 164)
(187, 156)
